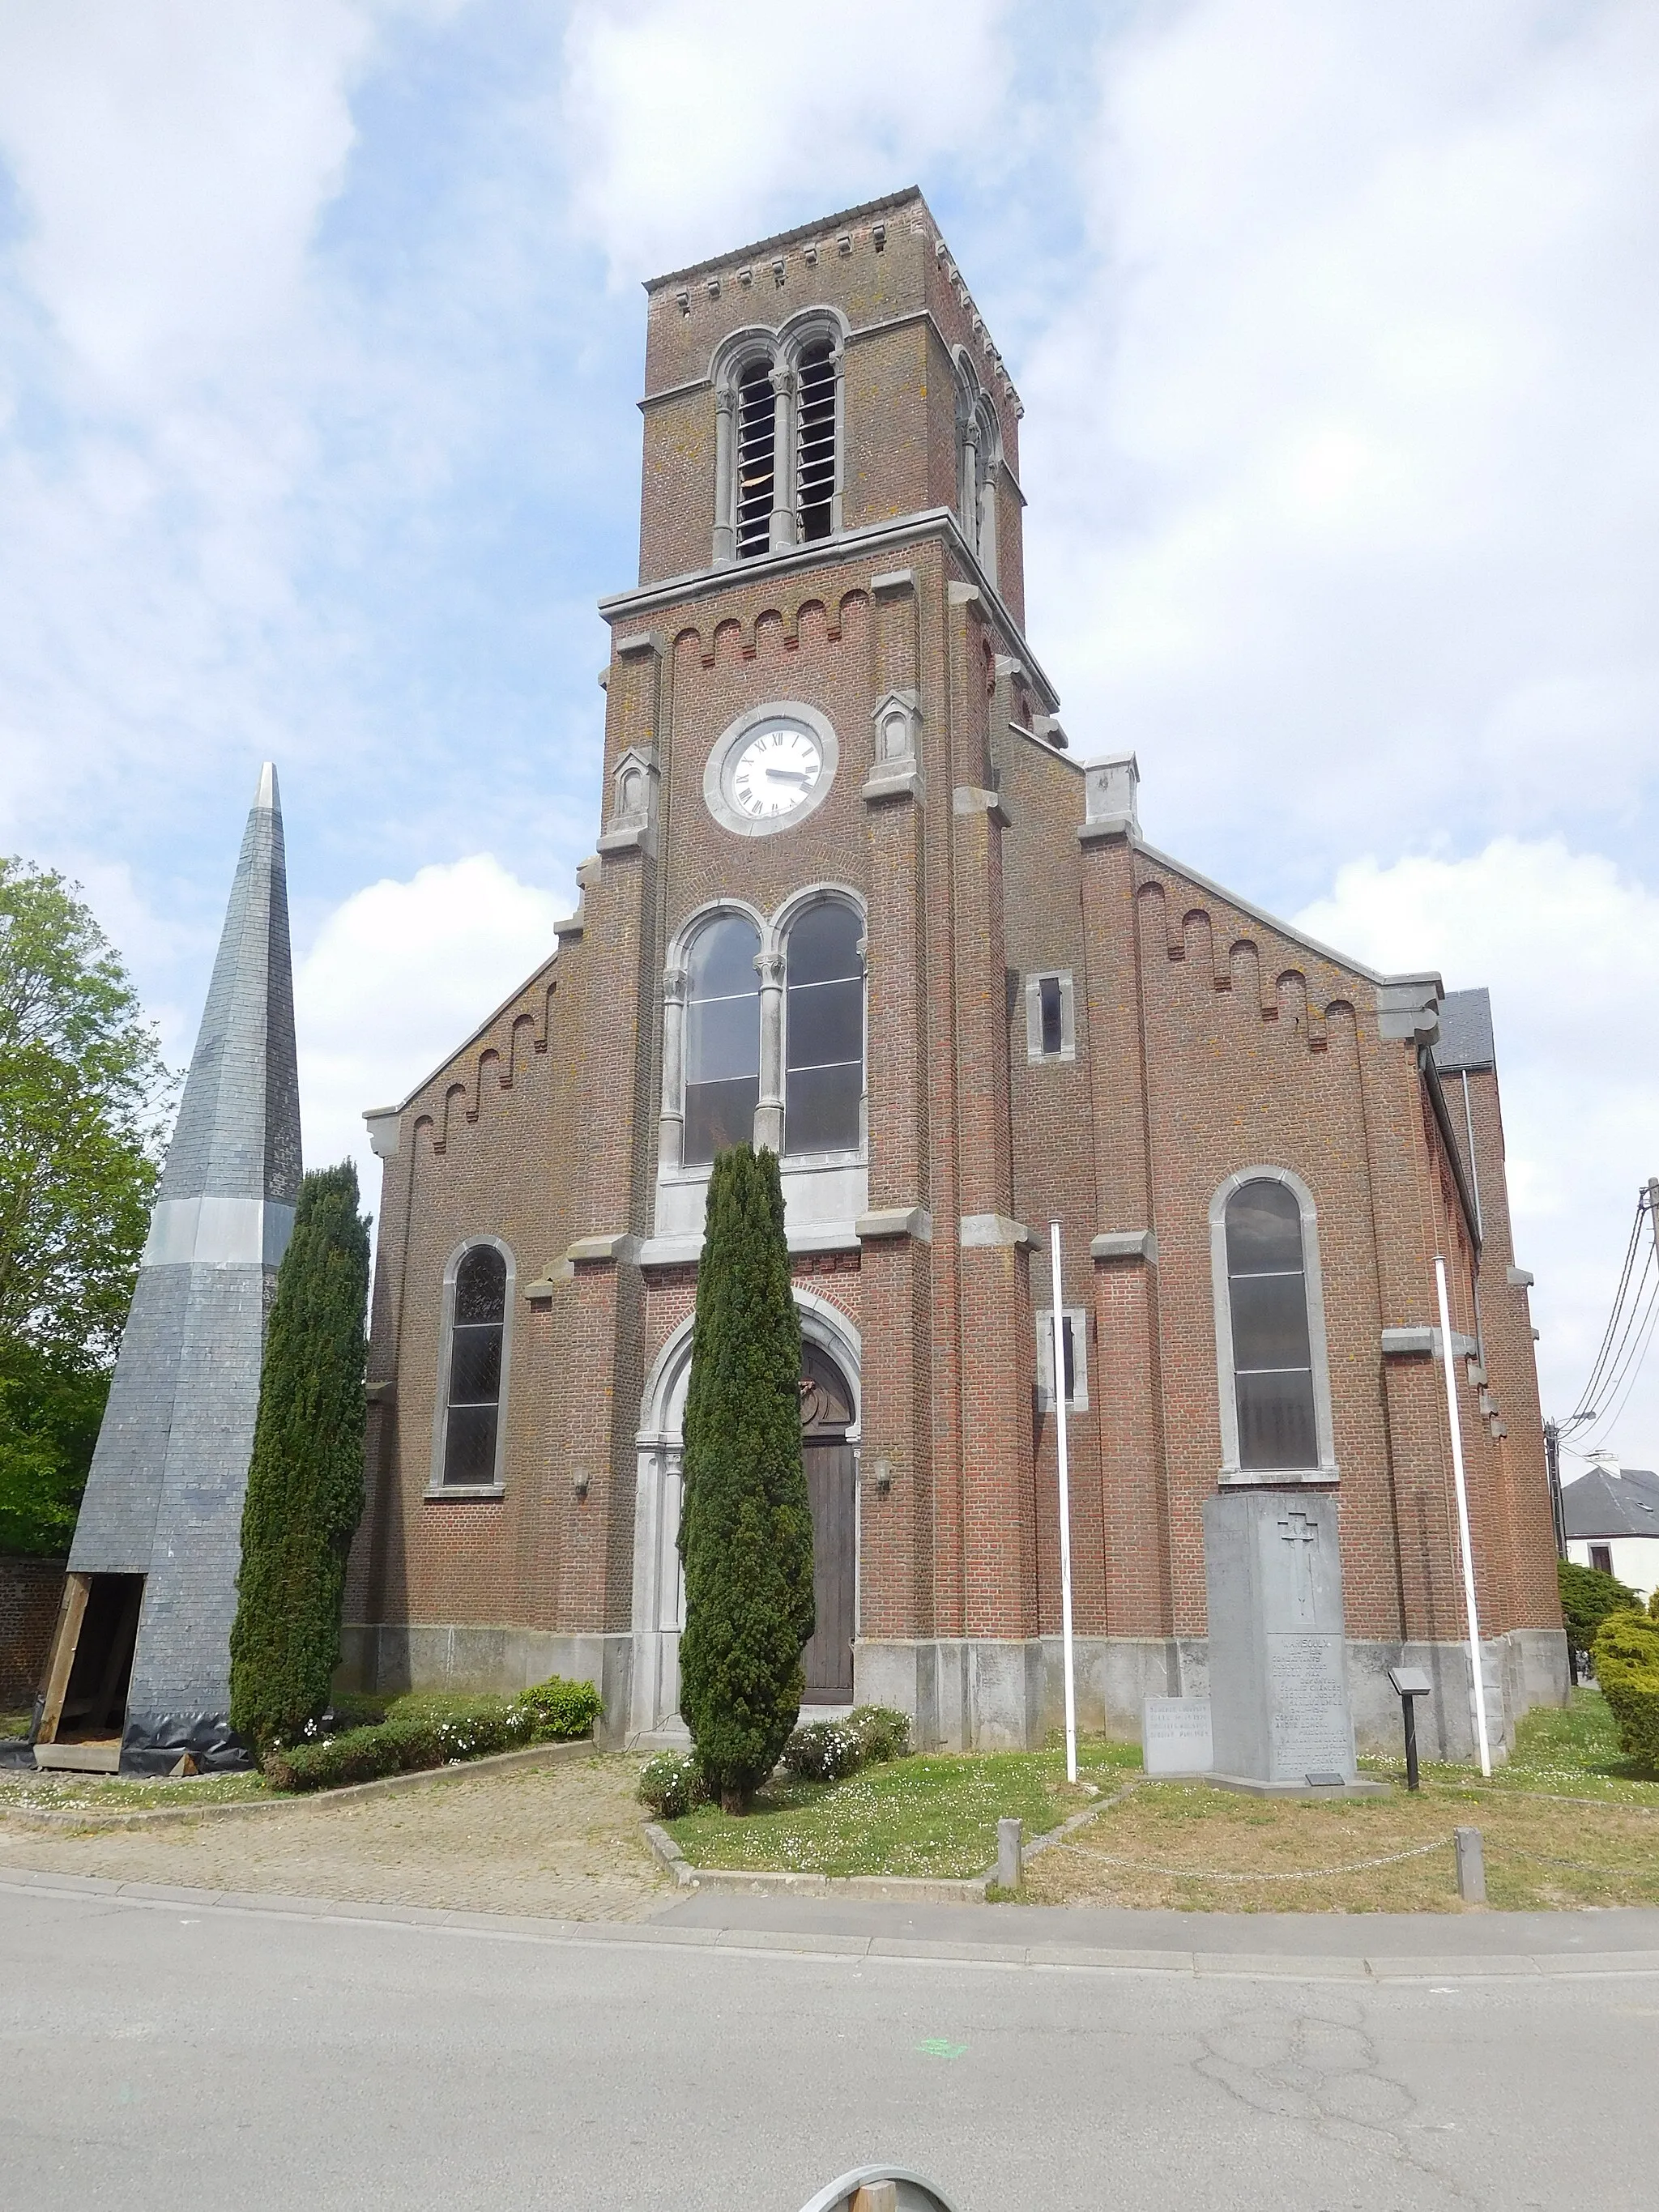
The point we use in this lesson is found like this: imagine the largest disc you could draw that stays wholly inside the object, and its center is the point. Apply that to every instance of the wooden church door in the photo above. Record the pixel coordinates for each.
(826, 1415)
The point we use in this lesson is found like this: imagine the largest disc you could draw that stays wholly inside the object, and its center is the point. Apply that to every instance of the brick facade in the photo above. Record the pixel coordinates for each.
(1205, 1039)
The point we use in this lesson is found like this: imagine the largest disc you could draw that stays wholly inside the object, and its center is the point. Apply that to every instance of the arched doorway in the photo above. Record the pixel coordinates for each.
(830, 1425)
(826, 1415)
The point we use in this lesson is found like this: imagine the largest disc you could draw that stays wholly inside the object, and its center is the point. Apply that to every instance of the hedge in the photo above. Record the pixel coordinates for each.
(552, 1712)
(1587, 1596)
(1626, 1656)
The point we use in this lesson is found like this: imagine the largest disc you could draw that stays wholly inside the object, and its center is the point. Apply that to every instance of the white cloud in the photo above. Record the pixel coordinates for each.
(172, 160)
(395, 979)
(1568, 945)
(687, 117)
(1343, 462)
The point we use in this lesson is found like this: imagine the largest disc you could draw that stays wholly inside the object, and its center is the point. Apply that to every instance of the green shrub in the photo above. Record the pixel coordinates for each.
(883, 1732)
(561, 1708)
(746, 1522)
(671, 1782)
(447, 1730)
(305, 1483)
(1626, 1656)
(1587, 1596)
(825, 1751)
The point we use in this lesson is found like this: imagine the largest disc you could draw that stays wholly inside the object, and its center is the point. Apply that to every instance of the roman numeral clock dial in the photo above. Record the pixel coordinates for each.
(775, 770)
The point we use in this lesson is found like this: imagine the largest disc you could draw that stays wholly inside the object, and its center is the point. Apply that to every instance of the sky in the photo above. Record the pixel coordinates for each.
(1337, 328)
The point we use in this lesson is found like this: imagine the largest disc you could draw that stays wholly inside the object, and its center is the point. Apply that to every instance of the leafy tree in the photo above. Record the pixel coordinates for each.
(1587, 1596)
(50, 1413)
(304, 1484)
(747, 1522)
(82, 1094)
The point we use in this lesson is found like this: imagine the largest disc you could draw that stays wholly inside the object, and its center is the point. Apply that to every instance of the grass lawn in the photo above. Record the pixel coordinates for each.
(932, 1814)
(1186, 1845)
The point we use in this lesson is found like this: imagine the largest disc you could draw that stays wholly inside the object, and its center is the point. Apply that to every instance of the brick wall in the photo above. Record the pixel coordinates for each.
(29, 1593)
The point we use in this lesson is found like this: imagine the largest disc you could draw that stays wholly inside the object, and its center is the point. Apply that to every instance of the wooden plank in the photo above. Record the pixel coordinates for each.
(71, 1612)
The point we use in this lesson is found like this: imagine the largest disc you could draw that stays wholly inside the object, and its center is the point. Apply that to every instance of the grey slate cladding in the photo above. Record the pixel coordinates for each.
(1466, 1033)
(1605, 1505)
(164, 1498)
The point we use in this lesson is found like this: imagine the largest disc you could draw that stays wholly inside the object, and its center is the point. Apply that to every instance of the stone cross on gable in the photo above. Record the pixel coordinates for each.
(1298, 1530)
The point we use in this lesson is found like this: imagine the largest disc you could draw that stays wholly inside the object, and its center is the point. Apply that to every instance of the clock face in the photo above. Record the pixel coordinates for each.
(775, 770)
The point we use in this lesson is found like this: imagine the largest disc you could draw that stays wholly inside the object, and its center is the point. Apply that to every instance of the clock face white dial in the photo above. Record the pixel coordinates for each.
(775, 771)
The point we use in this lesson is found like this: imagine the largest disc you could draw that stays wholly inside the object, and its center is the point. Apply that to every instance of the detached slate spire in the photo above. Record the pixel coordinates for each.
(164, 1498)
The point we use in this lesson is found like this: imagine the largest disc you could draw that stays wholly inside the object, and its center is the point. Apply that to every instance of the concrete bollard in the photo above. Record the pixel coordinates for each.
(1010, 1834)
(1471, 1866)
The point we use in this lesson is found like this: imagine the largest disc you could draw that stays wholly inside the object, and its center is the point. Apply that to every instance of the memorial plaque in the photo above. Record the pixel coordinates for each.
(1278, 1689)
(1174, 1735)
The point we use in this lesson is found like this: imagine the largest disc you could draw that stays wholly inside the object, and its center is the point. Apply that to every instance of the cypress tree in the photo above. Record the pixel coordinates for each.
(304, 1484)
(746, 1521)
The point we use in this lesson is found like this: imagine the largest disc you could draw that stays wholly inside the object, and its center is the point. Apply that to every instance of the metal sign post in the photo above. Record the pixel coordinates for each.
(1065, 1505)
(1462, 1517)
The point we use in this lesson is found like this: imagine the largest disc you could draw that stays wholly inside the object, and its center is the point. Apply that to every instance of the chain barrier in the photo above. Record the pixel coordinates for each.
(1295, 1874)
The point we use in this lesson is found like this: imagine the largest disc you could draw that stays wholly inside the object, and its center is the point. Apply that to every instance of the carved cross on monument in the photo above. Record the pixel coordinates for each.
(1295, 1529)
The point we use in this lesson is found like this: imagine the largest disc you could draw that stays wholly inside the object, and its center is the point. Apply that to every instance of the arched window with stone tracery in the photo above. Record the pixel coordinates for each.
(824, 1029)
(722, 1037)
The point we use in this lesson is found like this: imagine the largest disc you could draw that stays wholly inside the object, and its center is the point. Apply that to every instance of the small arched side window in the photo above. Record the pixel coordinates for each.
(477, 1331)
(823, 1057)
(815, 440)
(758, 459)
(979, 452)
(1272, 1344)
(722, 1037)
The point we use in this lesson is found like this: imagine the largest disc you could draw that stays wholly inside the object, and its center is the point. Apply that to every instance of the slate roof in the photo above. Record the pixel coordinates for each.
(1466, 1038)
(1600, 1504)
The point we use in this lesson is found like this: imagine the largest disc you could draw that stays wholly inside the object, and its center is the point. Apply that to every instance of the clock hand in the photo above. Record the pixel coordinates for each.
(786, 776)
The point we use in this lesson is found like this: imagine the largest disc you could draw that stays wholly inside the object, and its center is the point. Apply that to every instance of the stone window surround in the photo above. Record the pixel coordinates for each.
(437, 1488)
(1232, 1475)
(771, 963)
(1035, 1054)
(1044, 1317)
(783, 348)
(979, 460)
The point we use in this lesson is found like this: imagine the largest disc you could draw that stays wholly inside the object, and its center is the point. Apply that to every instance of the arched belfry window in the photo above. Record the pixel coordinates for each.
(778, 440)
(1270, 1329)
(722, 1037)
(824, 1030)
(758, 459)
(475, 1369)
(815, 440)
(979, 455)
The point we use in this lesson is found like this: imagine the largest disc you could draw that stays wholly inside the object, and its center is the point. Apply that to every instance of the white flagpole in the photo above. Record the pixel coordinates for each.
(1475, 1667)
(1065, 1506)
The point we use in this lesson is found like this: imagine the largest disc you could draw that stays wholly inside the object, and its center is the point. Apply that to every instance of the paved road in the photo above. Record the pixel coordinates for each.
(167, 2055)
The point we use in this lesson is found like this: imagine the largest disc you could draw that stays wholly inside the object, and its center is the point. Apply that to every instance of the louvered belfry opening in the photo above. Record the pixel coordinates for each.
(757, 459)
(815, 440)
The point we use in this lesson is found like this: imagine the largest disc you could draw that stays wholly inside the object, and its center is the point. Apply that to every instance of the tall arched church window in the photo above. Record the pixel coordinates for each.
(815, 440)
(758, 459)
(722, 1037)
(477, 1332)
(1272, 1344)
(823, 1031)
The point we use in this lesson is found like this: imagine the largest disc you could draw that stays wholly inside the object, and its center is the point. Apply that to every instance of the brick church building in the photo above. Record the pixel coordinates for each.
(856, 897)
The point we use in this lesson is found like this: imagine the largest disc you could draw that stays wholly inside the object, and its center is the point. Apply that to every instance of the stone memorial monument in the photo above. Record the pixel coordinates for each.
(1174, 1735)
(1278, 1685)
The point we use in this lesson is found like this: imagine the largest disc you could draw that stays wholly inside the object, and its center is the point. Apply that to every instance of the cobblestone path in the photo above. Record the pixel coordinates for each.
(559, 1841)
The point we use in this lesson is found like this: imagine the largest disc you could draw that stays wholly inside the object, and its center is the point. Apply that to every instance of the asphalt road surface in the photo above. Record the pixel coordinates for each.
(171, 2057)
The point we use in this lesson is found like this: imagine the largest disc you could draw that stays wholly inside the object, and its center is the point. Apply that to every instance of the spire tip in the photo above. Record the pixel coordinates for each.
(267, 794)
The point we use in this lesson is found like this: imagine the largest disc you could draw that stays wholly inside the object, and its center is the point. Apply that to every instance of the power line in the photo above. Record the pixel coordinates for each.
(1608, 1368)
